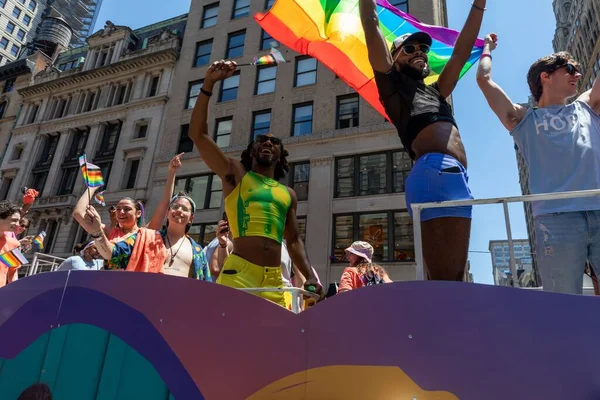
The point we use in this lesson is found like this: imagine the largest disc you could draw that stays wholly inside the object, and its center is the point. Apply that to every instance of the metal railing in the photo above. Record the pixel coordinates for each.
(417, 208)
(43, 263)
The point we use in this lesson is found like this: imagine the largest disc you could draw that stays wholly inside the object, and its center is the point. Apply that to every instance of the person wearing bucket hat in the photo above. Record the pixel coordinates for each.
(361, 271)
(427, 128)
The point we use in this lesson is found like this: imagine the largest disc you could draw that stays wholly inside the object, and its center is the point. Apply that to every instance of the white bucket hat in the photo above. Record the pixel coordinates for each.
(361, 249)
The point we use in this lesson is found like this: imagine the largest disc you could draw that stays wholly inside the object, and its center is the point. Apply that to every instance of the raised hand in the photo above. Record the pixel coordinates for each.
(220, 70)
(223, 232)
(95, 220)
(491, 40)
(175, 163)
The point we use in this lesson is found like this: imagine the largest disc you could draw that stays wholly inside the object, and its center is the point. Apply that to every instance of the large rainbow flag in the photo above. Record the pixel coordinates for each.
(331, 31)
(13, 258)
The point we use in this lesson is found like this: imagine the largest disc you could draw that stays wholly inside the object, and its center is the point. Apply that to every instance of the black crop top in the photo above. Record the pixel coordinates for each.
(411, 105)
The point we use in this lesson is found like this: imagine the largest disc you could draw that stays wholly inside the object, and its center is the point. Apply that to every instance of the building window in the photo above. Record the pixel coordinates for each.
(153, 86)
(2, 3)
(78, 142)
(193, 93)
(265, 80)
(302, 122)
(26, 19)
(21, 35)
(299, 174)
(105, 169)
(110, 139)
(32, 5)
(10, 27)
(372, 174)
(131, 174)
(17, 153)
(5, 188)
(3, 108)
(186, 145)
(266, 41)
(8, 85)
(241, 8)
(306, 71)
(229, 87)
(141, 130)
(389, 232)
(4, 43)
(210, 15)
(269, 4)
(38, 180)
(205, 190)
(235, 44)
(67, 181)
(203, 50)
(16, 12)
(401, 5)
(33, 113)
(223, 131)
(203, 234)
(14, 50)
(347, 111)
(261, 123)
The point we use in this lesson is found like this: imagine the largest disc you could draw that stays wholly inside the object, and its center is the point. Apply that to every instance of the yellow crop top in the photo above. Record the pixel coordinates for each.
(258, 206)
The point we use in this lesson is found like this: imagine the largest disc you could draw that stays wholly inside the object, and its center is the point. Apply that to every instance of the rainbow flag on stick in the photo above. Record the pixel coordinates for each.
(274, 57)
(331, 32)
(92, 174)
(13, 258)
(99, 197)
(38, 241)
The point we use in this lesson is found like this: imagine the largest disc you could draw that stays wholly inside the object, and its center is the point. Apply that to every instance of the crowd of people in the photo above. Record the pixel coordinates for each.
(258, 243)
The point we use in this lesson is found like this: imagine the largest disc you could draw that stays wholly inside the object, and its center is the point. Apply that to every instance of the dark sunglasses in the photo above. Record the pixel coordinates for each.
(264, 138)
(571, 69)
(412, 48)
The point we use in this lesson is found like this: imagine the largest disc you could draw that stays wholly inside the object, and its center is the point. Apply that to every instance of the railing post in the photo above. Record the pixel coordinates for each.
(513, 268)
(33, 265)
(420, 267)
(296, 301)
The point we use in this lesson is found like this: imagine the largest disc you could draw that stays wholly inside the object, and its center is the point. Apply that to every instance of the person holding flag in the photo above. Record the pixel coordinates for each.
(427, 128)
(9, 262)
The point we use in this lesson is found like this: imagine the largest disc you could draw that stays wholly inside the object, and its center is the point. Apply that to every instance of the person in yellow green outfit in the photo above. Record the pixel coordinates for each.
(261, 211)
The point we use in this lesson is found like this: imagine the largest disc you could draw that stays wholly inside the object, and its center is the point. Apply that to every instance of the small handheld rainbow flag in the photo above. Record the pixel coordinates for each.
(99, 197)
(92, 174)
(13, 258)
(274, 57)
(38, 241)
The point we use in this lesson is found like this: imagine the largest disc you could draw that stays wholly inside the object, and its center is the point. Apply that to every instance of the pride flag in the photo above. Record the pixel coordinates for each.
(13, 258)
(331, 32)
(99, 197)
(92, 174)
(274, 57)
(38, 241)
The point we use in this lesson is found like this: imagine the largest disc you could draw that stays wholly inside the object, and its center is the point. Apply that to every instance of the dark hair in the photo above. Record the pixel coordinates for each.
(281, 168)
(8, 208)
(80, 246)
(546, 64)
(364, 268)
(138, 206)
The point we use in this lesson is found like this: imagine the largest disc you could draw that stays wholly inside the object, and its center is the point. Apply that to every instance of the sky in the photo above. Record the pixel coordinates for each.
(525, 30)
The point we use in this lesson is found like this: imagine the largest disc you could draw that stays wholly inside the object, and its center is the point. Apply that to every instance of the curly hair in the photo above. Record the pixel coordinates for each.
(8, 208)
(364, 268)
(281, 168)
(547, 64)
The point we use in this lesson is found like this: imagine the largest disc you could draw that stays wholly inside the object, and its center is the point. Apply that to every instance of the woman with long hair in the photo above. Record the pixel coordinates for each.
(361, 271)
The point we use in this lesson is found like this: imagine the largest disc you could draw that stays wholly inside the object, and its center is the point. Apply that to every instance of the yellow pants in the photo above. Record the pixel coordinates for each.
(239, 273)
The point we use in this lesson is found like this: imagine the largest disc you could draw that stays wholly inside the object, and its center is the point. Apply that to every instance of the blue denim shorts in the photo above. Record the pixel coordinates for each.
(438, 177)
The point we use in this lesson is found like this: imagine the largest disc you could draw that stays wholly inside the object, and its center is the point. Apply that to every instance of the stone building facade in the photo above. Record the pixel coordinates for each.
(106, 100)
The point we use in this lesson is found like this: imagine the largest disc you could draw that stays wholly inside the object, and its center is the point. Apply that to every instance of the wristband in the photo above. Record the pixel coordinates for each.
(477, 7)
(96, 236)
(486, 55)
(205, 92)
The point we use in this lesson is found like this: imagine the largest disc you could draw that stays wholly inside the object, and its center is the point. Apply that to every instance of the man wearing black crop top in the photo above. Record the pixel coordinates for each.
(429, 133)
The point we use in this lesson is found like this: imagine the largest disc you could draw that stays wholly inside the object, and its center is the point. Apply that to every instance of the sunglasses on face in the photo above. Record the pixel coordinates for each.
(571, 69)
(263, 139)
(412, 48)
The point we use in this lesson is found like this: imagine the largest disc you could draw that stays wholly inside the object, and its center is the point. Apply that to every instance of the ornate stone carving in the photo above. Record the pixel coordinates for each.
(328, 160)
(109, 28)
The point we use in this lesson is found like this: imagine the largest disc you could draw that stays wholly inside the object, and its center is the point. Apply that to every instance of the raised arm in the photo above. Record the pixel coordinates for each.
(592, 96)
(161, 210)
(80, 211)
(462, 49)
(296, 247)
(509, 114)
(379, 53)
(211, 154)
(104, 246)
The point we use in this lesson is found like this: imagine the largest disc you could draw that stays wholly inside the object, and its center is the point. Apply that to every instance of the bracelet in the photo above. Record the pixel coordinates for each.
(97, 235)
(486, 55)
(223, 246)
(205, 92)
(477, 7)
